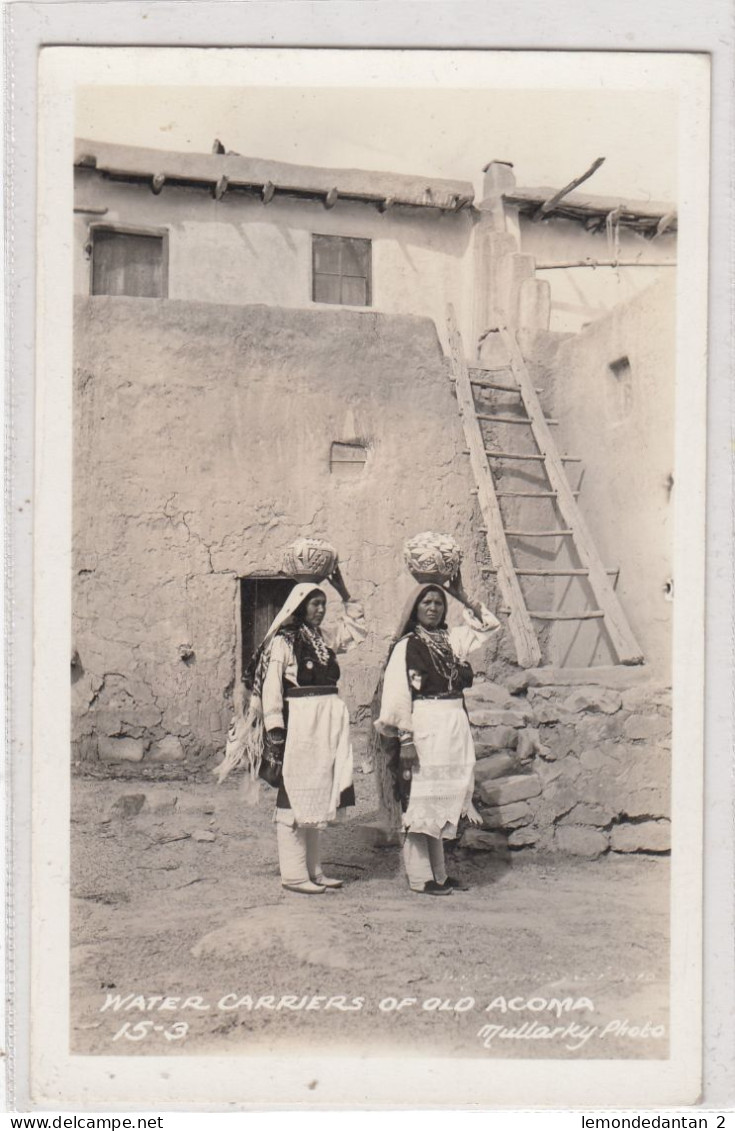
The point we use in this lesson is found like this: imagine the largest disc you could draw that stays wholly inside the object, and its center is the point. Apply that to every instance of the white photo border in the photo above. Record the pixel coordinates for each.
(91, 23)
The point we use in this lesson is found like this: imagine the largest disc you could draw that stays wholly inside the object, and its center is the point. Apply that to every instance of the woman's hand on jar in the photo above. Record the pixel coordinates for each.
(473, 816)
(338, 582)
(457, 589)
(456, 586)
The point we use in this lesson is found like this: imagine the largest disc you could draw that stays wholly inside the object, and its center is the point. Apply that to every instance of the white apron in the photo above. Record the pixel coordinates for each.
(442, 784)
(317, 761)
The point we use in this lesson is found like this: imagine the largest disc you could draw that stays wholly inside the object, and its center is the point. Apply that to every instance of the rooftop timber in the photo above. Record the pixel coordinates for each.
(119, 162)
(645, 216)
(225, 172)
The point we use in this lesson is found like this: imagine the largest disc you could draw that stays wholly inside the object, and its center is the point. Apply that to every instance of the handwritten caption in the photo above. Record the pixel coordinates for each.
(546, 1019)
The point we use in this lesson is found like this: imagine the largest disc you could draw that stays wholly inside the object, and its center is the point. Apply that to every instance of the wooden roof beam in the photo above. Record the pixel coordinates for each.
(550, 204)
(664, 224)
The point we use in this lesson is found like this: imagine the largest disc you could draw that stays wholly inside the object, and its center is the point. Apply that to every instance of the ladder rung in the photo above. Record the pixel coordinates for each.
(497, 387)
(529, 494)
(551, 572)
(514, 455)
(560, 572)
(527, 409)
(476, 379)
(510, 419)
(535, 533)
(596, 614)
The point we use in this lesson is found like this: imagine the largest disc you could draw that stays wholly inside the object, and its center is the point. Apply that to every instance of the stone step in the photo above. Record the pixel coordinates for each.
(483, 840)
(504, 791)
(645, 836)
(512, 816)
(589, 843)
(492, 695)
(488, 717)
(494, 765)
(495, 738)
(618, 676)
(523, 838)
(592, 699)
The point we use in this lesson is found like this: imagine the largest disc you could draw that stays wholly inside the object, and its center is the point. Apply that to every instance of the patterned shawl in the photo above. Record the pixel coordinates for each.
(246, 735)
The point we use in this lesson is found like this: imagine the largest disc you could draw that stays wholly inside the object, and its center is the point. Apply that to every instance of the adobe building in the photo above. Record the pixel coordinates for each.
(262, 352)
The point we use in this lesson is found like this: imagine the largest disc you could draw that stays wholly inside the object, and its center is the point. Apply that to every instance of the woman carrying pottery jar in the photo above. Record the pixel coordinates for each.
(422, 707)
(297, 728)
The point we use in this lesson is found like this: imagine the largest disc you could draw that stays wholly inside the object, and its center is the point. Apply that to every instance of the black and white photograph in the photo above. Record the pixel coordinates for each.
(383, 705)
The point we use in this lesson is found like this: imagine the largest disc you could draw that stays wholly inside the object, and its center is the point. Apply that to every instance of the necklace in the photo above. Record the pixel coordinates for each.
(440, 651)
(315, 640)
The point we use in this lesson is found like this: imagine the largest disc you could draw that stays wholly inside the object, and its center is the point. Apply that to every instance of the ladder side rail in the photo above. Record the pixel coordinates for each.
(616, 622)
(522, 630)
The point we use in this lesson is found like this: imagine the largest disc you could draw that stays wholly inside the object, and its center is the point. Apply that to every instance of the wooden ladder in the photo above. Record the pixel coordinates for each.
(574, 527)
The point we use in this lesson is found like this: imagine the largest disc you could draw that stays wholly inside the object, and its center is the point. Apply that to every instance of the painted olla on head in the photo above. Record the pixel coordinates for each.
(432, 557)
(310, 559)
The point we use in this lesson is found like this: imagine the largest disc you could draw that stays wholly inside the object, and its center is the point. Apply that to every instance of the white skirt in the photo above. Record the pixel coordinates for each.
(317, 761)
(443, 781)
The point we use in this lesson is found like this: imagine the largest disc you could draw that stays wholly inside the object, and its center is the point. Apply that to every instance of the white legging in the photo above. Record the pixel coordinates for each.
(424, 859)
(299, 853)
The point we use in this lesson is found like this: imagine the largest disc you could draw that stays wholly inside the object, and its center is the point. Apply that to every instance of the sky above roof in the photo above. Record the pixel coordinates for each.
(438, 128)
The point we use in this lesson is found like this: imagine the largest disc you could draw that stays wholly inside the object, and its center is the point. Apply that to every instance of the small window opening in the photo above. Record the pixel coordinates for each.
(347, 460)
(260, 600)
(341, 270)
(127, 263)
(619, 390)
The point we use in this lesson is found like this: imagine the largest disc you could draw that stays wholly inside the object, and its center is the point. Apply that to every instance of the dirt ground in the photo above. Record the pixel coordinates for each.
(544, 957)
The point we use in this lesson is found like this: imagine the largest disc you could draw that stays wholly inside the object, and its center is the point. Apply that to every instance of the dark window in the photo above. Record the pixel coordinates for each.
(347, 460)
(260, 600)
(127, 263)
(342, 270)
(619, 390)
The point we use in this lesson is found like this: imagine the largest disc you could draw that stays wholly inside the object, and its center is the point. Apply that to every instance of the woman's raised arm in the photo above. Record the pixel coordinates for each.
(350, 629)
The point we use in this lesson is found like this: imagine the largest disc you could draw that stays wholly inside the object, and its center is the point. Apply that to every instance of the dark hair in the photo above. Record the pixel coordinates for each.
(299, 612)
(413, 619)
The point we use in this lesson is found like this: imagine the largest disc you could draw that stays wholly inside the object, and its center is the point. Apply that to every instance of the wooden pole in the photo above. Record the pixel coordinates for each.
(550, 204)
(616, 622)
(599, 263)
(522, 631)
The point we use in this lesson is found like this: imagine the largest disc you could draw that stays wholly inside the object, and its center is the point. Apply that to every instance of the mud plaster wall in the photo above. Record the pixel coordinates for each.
(623, 428)
(203, 437)
(238, 250)
(580, 295)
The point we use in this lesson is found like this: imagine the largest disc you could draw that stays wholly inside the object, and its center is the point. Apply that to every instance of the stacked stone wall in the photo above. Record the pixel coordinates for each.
(582, 769)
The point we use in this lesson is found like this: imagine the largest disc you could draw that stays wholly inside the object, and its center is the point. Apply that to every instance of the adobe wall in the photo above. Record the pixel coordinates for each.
(203, 437)
(238, 250)
(623, 429)
(580, 295)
